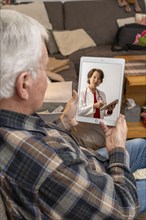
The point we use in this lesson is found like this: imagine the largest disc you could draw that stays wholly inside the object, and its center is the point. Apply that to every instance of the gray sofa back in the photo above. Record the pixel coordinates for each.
(98, 17)
(55, 14)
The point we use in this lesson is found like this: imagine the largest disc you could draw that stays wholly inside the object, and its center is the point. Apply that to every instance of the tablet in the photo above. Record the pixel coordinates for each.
(109, 104)
(100, 85)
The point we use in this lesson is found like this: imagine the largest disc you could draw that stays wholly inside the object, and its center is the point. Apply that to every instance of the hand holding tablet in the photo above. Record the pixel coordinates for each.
(106, 107)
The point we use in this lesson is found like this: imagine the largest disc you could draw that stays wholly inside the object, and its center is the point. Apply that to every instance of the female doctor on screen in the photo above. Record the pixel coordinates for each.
(92, 99)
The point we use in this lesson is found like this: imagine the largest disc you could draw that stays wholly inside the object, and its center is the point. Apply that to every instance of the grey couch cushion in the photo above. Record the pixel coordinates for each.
(52, 46)
(55, 13)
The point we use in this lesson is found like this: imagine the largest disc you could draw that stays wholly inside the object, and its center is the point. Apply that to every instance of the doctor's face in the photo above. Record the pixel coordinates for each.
(95, 79)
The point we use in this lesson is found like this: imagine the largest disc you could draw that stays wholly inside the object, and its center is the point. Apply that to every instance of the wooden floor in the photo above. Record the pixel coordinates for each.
(141, 217)
(136, 130)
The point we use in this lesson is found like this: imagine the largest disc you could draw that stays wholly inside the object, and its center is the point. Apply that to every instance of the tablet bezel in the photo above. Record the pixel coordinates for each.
(94, 62)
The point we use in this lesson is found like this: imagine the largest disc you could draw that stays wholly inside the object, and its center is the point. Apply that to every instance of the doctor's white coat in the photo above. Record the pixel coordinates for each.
(86, 101)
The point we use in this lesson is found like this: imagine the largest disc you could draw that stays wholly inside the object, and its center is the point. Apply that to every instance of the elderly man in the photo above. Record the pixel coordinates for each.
(44, 173)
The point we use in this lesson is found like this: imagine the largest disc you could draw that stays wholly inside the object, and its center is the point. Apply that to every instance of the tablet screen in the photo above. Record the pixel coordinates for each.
(100, 84)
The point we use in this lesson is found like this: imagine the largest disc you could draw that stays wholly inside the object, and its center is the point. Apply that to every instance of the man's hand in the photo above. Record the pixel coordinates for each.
(68, 115)
(115, 136)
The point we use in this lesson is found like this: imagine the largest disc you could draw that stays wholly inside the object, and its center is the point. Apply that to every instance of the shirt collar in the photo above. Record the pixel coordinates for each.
(20, 121)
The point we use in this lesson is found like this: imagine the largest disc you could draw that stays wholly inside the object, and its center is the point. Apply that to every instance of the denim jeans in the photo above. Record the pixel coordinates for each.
(137, 152)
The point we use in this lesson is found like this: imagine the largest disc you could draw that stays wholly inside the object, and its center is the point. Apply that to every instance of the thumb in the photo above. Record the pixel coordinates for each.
(75, 96)
(74, 122)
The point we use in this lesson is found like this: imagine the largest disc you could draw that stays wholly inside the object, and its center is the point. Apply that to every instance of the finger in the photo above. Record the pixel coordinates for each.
(103, 126)
(73, 99)
(121, 121)
(121, 118)
(121, 115)
(74, 122)
(75, 96)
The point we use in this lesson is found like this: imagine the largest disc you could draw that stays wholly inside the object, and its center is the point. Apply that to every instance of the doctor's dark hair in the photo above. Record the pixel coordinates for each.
(90, 73)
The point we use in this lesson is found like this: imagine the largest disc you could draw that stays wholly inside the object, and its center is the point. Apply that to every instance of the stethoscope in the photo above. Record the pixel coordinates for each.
(99, 96)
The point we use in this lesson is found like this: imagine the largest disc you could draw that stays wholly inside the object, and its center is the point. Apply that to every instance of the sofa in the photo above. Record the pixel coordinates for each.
(93, 23)
(98, 18)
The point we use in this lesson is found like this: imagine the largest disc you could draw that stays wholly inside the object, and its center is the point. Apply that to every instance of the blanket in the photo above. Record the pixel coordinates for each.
(57, 65)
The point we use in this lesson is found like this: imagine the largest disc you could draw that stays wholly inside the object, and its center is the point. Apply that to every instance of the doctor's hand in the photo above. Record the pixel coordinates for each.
(115, 136)
(69, 113)
(99, 104)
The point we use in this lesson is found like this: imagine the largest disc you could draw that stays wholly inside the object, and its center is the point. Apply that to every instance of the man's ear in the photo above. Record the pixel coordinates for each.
(22, 85)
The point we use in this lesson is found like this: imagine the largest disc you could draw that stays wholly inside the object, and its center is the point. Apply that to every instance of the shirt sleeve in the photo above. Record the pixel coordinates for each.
(81, 186)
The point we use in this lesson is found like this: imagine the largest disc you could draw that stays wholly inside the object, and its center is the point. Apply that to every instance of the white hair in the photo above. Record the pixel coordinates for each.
(21, 48)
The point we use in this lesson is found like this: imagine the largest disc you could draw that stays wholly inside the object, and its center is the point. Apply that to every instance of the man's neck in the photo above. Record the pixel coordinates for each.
(93, 89)
(11, 104)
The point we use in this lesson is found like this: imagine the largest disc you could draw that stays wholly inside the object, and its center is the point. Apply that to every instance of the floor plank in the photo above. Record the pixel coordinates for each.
(141, 217)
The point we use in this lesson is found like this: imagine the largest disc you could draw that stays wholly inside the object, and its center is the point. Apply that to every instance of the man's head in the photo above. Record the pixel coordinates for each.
(23, 59)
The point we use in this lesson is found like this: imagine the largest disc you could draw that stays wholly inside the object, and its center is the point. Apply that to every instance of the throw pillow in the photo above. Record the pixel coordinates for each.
(57, 65)
(123, 21)
(52, 46)
(54, 77)
(140, 18)
(35, 10)
(73, 40)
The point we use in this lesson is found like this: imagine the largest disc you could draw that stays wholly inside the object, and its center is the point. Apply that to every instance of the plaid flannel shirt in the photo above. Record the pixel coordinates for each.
(45, 174)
